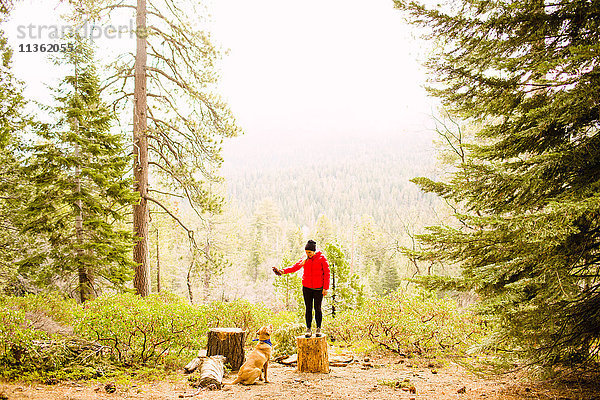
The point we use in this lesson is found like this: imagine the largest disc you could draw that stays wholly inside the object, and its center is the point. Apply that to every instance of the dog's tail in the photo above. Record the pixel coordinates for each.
(237, 380)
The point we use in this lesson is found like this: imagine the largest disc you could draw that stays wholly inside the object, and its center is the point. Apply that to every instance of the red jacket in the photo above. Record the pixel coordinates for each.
(316, 271)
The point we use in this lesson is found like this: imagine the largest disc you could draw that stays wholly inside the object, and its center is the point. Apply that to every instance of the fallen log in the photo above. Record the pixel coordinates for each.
(211, 373)
(291, 360)
(192, 365)
(340, 361)
(195, 363)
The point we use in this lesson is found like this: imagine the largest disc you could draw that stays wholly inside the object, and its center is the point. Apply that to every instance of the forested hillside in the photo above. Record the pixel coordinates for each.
(343, 180)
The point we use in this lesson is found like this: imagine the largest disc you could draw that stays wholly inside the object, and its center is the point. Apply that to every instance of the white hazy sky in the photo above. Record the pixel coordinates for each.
(315, 67)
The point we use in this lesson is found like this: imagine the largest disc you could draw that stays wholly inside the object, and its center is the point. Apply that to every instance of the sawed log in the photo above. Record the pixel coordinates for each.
(211, 372)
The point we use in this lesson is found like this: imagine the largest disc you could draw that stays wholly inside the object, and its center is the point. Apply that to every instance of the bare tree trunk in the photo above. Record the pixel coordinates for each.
(189, 279)
(141, 280)
(157, 263)
(207, 271)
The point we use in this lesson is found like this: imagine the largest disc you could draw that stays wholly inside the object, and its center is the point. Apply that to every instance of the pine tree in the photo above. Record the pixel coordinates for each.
(179, 119)
(289, 286)
(13, 122)
(325, 230)
(389, 280)
(346, 290)
(527, 194)
(78, 169)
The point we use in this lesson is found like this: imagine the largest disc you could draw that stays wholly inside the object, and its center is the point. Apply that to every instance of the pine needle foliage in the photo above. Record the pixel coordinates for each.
(78, 168)
(14, 121)
(527, 196)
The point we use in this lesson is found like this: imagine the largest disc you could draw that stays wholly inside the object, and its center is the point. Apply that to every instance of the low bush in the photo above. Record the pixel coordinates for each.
(421, 324)
(247, 316)
(28, 352)
(284, 338)
(59, 309)
(17, 338)
(144, 331)
(239, 314)
(46, 337)
(165, 331)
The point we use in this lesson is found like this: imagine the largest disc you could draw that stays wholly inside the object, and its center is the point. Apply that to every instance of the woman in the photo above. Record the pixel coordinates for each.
(315, 283)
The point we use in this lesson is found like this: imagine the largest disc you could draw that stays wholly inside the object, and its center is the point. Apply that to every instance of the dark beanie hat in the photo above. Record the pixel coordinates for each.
(311, 245)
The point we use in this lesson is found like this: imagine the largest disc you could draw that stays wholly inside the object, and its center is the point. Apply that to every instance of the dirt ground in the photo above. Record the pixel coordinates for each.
(358, 380)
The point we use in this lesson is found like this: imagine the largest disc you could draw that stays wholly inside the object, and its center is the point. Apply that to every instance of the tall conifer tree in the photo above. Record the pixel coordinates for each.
(13, 122)
(81, 190)
(346, 290)
(527, 72)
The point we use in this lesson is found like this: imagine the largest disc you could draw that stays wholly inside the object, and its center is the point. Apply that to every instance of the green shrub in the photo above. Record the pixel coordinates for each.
(52, 305)
(121, 330)
(29, 353)
(138, 330)
(411, 324)
(284, 338)
(247, 316)
(16, 340)
(239, 314)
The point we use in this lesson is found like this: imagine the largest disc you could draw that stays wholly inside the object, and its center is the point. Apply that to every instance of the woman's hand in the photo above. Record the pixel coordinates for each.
(325, 291)
(277, 271)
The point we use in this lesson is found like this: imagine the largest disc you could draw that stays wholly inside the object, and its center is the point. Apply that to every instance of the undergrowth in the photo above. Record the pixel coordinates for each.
(125, 337)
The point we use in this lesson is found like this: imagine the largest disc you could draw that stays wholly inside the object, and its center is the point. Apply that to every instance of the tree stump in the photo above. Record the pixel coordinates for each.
(312, 354)
(228, 342)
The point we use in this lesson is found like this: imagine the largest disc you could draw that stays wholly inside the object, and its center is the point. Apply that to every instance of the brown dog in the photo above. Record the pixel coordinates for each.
(258, 360)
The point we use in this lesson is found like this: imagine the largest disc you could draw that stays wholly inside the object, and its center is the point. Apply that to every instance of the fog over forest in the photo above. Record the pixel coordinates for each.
(343, 179)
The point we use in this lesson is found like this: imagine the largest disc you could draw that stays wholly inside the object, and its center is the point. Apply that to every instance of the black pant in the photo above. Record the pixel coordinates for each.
(310, 296)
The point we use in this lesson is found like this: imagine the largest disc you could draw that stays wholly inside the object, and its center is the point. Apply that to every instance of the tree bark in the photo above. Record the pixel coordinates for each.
(86, 285)
(312, 354)
(141, 280)
(228, 342)
(157, 263)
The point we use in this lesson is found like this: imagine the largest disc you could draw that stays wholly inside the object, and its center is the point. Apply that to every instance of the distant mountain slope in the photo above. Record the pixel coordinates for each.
(343, 180)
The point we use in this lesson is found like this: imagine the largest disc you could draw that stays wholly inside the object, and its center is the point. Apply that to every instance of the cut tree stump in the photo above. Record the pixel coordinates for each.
(228, 342)
(312, 354)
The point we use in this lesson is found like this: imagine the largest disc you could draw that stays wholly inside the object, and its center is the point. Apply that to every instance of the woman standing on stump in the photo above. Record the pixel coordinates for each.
(315, 283)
